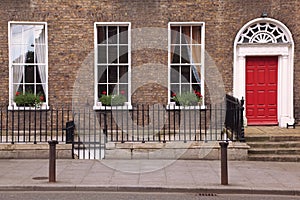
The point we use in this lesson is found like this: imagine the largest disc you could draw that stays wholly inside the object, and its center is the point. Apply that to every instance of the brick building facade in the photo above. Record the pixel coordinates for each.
(73, 29)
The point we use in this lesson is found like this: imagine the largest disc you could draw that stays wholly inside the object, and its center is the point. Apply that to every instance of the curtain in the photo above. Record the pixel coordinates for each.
(174, 40)
(193, 50)
(40, 53)
(18, 73)
(18, 53)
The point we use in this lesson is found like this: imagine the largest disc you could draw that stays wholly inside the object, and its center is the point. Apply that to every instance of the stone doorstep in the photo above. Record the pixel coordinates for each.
(175, 150)
(34, 151)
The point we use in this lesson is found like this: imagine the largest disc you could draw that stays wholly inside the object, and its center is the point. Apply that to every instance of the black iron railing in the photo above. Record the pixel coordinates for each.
(234, 121)
(158, 123)
(141, 123)
(33, 125)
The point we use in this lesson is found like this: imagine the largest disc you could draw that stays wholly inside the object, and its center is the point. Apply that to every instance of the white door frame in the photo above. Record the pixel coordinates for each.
(285, 53)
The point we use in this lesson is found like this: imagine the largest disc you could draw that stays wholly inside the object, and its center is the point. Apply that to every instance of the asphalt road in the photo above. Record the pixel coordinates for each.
(71, 195)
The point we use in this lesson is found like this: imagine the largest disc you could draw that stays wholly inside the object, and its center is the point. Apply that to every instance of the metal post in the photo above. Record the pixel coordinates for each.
(52, 160)
(224, 166)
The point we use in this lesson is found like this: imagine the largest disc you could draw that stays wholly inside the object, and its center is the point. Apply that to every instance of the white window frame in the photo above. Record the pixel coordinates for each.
(127, 105)
(12, 104)
(202, 70)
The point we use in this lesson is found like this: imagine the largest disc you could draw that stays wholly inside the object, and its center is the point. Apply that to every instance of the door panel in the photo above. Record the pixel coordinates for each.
(261, 90)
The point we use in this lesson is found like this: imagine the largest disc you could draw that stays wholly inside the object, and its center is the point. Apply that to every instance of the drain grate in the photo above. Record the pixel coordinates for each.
(40, 178)
(207, 194)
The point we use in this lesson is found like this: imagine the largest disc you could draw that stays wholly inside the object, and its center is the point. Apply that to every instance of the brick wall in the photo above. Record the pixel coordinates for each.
(71, 36)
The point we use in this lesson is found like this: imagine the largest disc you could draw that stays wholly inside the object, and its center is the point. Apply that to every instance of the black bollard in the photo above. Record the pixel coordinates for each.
(52, 160)
(224, 166)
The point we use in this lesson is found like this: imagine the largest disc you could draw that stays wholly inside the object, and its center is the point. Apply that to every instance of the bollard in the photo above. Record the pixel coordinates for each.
(224, 166)
(52, 160)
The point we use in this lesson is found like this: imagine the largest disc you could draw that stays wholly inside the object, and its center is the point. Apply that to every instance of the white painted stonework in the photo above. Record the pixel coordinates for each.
(285, 53)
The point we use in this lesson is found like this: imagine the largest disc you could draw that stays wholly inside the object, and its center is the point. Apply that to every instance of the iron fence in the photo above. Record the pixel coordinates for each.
(141, 123)
(234, 121)
(33, 125)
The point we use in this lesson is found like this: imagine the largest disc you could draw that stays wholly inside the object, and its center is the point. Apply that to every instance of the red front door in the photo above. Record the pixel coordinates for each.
(261, 90)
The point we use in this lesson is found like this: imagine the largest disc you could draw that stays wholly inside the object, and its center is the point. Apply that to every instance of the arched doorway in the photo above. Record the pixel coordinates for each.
(263, 72)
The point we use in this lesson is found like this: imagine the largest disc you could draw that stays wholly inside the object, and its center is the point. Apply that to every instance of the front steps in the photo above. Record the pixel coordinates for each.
(274, 147)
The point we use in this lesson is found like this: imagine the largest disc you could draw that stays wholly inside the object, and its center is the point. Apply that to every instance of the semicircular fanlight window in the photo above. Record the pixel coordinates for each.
(263, 33)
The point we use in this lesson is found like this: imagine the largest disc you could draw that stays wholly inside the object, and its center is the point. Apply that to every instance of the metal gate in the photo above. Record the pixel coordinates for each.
(89, 135)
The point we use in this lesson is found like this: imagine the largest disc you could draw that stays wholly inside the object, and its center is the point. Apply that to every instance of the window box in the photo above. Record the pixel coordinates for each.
(173, 106)
(100, 106)
(14, 107)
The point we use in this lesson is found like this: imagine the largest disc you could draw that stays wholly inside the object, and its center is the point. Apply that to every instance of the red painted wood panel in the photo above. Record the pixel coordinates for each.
(261, 90)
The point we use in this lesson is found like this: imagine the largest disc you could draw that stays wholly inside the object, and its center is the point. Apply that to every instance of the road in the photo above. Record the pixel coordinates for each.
(76, 195)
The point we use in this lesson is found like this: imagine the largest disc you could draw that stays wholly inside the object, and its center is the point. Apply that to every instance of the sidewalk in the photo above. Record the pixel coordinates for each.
(152, 175)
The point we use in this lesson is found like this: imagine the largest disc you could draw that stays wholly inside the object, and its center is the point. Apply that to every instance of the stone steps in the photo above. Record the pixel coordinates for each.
(283, 144)
(273, 138)
(277, 151)
(282, 148)
(271, 157)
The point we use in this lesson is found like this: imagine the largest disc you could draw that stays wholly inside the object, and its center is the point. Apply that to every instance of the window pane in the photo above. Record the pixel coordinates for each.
(17, 73)
(29, 74)
(29, 88)
(101, 35)
(40, 90)
(196, 78)
(18, 87)
(196, 87)
(40, 53)
(174, 89)
(123, 34)
(185, 74)
(175, 74)
(112, 35)
(102, 57)
(175, 35)
(196, 34)
(196, 53)
(112, 74)
(38, 78)
(102, 74)
(28, 34)
(17, 53)
(185, 54)
(39, 34)
(102, 88)
(123, 54)
(124, 90)
(112, 89)
(123, 74)
(185, 88)
(29, 58)
(16, 34)
(176, 55)
(185, 35)
(112, 54)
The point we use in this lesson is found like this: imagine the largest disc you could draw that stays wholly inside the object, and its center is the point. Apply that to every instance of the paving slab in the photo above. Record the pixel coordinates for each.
(251, 177)
(152, 175)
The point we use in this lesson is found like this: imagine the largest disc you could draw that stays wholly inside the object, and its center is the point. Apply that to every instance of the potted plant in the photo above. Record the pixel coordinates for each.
(187, 98)
(113, 99)
(28, 99)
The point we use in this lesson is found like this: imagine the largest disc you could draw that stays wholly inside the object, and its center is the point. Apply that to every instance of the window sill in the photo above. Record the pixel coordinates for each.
(99, 106)
(14, 107)
(173, 106)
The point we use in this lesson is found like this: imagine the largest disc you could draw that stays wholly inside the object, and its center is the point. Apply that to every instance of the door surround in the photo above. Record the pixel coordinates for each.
(284, 51)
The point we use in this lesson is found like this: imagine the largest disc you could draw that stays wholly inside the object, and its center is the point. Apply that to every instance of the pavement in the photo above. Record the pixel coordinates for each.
(200, 176)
